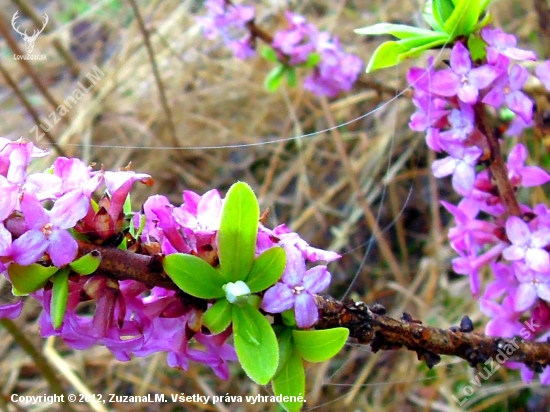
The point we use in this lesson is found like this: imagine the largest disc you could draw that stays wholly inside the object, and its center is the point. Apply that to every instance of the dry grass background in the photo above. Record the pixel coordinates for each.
(323, 185)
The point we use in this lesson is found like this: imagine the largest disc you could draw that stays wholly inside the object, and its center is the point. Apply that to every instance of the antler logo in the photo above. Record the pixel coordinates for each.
(29, 40)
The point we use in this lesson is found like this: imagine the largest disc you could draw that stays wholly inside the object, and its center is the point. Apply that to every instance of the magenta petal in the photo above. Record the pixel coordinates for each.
(5, 241)
(69, 209)
(533, 176)
(460, 59)
(11, 311)
(305, 310)
(517, 230)
(443, 167)
(525, 297)
(513, 253)
(444, 83)
(464, 178)
(29, 247)
(63, 247)
(520, 104)
(483, 76)
(543, 291)
(295, 267)
(468, 93)
(35, 215)
(209, 208)
(543, 73)
(316, 279)
(278, 298)
(538, 260)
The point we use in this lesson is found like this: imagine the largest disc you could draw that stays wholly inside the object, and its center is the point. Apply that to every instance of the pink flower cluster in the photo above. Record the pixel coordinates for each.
(40, 215)
(449, 103)
(336, 71)
(192, 228)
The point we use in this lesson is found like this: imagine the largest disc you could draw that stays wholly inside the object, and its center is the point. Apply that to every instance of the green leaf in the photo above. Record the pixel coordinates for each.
(313, 59)
(28, 279)
(87, 264)
(269, 54)
(417, 51)
(285, 348)
(60, 296)
(386, 55)
(291, 381)
(291, 77)
(428, 15)
(392, 53)
(400, 31)
(255, 343)
(218, 317)
(266, 269)
(476, 46)
(274, 78)
(464, 18)
(194, 276)
(127, 207)
(319, 345)
(442, 10)
(238, 232)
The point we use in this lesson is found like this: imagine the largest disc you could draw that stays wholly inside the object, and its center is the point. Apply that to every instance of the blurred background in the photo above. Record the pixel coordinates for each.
(363, 189)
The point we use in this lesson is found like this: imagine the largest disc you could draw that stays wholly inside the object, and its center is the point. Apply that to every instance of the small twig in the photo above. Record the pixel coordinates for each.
(30, 109)
(39, 360)
(497, 166)
(369, 325)
(370, 218)
(160, 86)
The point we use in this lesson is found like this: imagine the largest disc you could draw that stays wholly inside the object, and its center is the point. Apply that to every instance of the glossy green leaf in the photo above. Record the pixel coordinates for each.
(427, 13)
(464, 18)
(400, 31)
(238, 232)
(442, 10)
(194, 276)
(266, 269)
(313, 59)
(319, 345)
(386, 55)
(392, 53)
(218, 317)
(274, 78)
(87, 264)
(476, 46)
(255, 343)
(417, 51)
(291, 381)
(28, 279)
(60, 296)
(127, 206)
(269, 54)
(285, 348)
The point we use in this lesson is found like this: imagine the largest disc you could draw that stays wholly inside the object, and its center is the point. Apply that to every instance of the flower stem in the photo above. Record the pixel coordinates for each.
(497, 166)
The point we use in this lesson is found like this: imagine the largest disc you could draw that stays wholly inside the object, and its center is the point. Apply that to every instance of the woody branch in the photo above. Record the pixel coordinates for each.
(368, 324)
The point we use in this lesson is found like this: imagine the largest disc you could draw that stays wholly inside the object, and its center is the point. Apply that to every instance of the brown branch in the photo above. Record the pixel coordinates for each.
(156, 72)
(369, 325)
(497, 166)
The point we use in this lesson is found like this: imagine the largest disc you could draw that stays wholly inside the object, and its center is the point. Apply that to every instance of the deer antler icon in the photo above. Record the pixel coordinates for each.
(29, 40)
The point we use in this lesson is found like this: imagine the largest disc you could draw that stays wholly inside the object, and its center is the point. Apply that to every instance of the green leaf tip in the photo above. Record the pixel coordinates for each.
(194, 276)
(238, 232)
